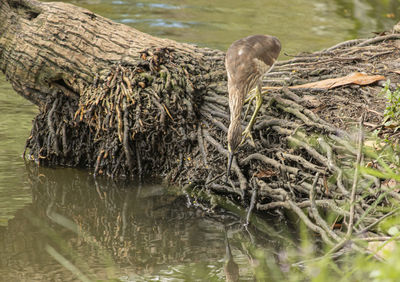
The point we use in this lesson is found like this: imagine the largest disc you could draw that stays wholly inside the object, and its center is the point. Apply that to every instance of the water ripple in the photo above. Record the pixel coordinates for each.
(158, 6)
(158, 23)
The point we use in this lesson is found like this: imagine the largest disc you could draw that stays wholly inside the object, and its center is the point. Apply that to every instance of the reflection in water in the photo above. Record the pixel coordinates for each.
(99, 229)
(231, 268)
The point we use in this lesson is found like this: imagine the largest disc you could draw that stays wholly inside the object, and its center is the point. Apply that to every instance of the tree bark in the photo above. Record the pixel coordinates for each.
(124, 103)
(48, 45)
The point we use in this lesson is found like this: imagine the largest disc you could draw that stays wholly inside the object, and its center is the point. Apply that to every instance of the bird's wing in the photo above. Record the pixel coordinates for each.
(262, 67)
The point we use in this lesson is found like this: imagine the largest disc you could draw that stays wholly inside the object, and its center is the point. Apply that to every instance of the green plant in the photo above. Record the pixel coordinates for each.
(392, 110)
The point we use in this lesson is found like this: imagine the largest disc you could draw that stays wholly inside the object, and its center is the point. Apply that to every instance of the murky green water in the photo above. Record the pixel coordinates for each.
(57, 221)
(301, 25)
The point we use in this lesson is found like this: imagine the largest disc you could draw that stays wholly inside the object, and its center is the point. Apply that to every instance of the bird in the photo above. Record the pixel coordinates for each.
(246, 61)
(231, 268)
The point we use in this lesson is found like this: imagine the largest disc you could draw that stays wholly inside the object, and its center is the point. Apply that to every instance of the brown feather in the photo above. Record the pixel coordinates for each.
(247, 60)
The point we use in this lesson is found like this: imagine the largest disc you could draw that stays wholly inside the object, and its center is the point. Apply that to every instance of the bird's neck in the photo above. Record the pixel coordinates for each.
(235, 128)
(236, 100)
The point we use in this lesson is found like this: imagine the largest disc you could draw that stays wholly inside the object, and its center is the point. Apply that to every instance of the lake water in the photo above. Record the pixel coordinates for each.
(56, 222)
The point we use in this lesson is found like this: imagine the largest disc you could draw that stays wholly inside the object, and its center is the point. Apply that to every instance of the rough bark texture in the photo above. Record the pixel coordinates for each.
(121, 102)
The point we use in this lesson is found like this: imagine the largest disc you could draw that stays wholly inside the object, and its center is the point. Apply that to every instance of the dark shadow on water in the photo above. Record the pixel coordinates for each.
(86, 228)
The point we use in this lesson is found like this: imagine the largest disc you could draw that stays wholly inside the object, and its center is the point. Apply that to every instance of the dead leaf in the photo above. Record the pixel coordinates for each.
(375, 144)
(390, 183)
(383, 252)
(353, 78)
(395, 71)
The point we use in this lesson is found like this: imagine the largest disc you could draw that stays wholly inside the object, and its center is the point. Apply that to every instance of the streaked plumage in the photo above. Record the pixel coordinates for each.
(246, 61)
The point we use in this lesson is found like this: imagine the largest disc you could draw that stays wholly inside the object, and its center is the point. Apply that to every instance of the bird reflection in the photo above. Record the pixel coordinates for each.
(231, 268)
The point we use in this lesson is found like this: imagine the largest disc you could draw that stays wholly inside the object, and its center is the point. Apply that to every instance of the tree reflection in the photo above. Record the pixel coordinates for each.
(101, 229)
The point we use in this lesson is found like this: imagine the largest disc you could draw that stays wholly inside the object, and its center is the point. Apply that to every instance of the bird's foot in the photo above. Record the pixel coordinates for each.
(246, 135)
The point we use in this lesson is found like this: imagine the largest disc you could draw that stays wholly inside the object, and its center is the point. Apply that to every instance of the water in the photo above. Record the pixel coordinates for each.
(100, 229)
(57, 221)
(15, 123)
(107, 230)
(301, 25)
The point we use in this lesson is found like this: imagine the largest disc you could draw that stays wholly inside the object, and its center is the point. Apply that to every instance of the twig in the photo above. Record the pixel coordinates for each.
(327, 204)
(300, 160)
(308, 222)
(209, 181)
(344, 44)
(354, 187)
(332, 166)
(200, 141)
(315, 212)
(378, 221)
(377, 238)
(252, 204)
(216, 122)
(272, 162)
(378, 39)
(138, 160)
(223, 151)
(125, 137)
(51, 128)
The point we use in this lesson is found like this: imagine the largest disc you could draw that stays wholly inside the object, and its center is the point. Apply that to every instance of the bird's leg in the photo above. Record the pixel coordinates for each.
(247, 132)
(248, 101)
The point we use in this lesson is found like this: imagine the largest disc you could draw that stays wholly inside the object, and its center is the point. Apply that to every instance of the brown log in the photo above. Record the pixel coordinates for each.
(56, 53)
(58, 46)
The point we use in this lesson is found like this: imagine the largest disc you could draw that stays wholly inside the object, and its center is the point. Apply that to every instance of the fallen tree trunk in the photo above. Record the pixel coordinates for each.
(110, 97)
(124, 103)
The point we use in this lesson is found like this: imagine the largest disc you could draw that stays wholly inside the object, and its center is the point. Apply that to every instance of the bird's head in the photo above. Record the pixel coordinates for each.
(234, 139)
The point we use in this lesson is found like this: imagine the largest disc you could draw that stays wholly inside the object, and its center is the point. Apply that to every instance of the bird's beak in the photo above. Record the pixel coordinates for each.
(230, 158)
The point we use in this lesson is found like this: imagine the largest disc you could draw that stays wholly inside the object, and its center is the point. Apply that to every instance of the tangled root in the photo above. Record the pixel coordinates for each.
(135, 120)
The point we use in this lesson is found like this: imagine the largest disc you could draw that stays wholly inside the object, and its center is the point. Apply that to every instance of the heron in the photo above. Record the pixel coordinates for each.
(246, 61)
(230, 267)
